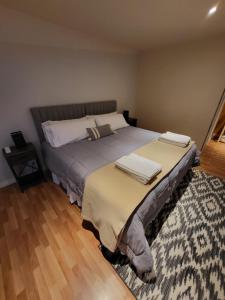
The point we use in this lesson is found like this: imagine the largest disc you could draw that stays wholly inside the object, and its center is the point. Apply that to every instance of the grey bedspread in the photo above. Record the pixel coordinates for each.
(77, 160)
(73, 162)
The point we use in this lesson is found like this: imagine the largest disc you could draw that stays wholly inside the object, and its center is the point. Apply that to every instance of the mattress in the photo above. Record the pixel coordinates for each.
(75, 161)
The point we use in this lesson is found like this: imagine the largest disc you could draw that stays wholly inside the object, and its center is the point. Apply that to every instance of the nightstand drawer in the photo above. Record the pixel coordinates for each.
(25, 165)
(132, 122)
(21, 158)
(24, 168)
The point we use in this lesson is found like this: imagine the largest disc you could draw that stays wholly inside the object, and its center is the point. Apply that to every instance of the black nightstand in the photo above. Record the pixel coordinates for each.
(25, 165)
(132, 122)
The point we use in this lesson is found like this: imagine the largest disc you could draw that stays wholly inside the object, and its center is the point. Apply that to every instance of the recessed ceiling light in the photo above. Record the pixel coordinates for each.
(212, 10)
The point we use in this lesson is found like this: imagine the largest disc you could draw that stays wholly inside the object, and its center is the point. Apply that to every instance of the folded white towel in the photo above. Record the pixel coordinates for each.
(140, 168)
(175, 139)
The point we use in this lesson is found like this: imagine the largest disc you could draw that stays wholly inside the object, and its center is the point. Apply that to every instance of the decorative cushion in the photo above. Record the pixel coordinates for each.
(96, 133)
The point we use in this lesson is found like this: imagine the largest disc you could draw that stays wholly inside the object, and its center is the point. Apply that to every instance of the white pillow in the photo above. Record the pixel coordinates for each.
(61, 133)
(116, 121)
(95, 116)
(45, 125)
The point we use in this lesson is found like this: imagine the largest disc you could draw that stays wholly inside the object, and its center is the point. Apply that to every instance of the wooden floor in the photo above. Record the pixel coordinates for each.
(213, 159)
(45, 253)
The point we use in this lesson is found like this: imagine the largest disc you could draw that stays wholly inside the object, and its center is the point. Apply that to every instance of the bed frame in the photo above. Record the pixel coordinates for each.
(137, 250)
(69, 111)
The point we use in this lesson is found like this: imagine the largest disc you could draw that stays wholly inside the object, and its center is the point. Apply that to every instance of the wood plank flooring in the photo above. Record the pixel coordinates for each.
(45, 253)
(213, 159)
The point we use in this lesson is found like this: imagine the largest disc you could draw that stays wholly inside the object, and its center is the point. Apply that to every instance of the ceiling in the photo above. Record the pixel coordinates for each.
(138, 24)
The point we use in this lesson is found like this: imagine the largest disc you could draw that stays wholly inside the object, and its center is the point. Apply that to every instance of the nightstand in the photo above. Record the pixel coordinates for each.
(132, 122)
(25, 165)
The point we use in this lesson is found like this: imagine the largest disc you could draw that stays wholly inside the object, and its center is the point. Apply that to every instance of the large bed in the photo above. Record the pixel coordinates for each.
(73, 162)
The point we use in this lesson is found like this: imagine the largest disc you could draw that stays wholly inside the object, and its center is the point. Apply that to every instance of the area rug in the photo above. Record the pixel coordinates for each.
(187, 242)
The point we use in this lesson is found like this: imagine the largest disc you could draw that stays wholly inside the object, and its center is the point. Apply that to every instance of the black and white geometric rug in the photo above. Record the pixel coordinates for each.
(188, 244)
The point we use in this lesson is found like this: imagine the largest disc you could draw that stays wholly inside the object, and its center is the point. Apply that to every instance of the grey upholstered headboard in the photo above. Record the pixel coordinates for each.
(69, 111)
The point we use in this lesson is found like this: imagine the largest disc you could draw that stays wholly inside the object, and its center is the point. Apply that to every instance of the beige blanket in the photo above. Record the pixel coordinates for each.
(111, 195)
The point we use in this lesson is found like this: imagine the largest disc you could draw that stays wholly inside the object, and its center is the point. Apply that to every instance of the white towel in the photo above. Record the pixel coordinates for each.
(175, 139)
(140, 168)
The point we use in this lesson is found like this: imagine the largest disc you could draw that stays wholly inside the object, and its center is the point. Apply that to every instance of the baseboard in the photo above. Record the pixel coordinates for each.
(6, 182)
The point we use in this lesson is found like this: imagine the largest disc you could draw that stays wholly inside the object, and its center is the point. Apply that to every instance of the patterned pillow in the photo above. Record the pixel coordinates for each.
(96, 133)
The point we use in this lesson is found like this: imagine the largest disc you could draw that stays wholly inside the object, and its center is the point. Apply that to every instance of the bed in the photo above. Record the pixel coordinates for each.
(72, 163)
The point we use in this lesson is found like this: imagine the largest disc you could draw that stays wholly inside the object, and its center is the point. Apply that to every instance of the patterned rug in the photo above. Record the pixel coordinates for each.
(188, 244)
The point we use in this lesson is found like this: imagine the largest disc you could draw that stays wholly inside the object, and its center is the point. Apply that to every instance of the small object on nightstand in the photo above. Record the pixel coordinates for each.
(132, 122)
(7, 149)
(18, 139)
(25, 165)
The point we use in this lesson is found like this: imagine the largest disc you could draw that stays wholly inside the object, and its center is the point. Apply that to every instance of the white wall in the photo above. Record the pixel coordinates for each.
(43, 64)
(180, 87)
